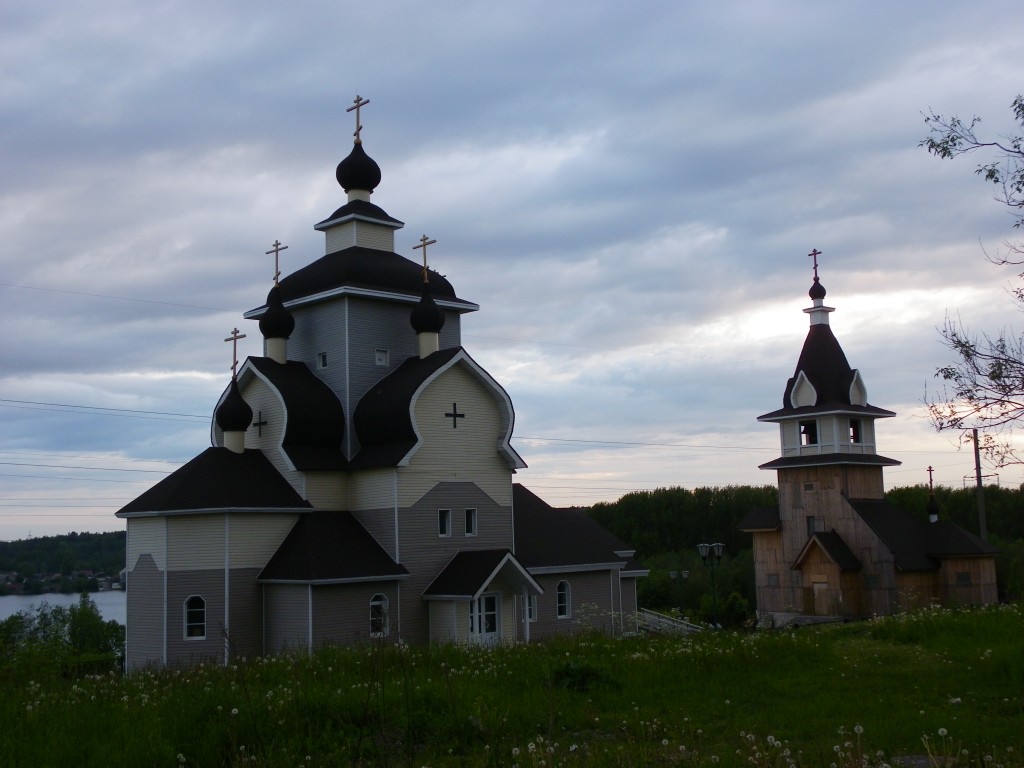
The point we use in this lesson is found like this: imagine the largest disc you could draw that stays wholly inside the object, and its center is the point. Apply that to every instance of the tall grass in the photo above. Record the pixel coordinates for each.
(945, 685)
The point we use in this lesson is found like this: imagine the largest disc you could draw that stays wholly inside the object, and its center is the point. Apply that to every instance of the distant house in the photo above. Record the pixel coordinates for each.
(359, 486)
(834, 547)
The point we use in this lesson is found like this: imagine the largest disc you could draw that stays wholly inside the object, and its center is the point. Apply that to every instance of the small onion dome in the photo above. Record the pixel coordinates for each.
(277, 322)
(358, 171)
(234, 414)
(817, 290)
(426, 316)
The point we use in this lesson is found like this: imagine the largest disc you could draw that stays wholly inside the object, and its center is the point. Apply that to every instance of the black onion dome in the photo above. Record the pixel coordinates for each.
(817, 290)
(234, 414)
(358, 171)
(426, 316)
(277, 322)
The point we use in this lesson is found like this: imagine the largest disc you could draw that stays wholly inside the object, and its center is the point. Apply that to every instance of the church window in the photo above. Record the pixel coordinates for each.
(871, 581)
(531, 608)
(963, 579)
(814, 524)
(444, 522)
(379, 616)
(381, 357)
(772, 580)
(808, 487)
(563, 600)
(195, 618)
(808, 433)
(855, 433)
(321, 360)
(471, 522)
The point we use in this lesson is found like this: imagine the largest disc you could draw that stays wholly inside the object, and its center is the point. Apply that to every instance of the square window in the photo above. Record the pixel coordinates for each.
(321, 360)
(772, 580)
(444, 522)
(871, 581)
(808, 433)
(808, 487)
(381, 357)
(963, 579)
(471, 522)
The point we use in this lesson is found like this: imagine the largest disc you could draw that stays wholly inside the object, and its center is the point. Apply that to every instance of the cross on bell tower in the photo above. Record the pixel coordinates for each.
(358, 103)
(814, 254)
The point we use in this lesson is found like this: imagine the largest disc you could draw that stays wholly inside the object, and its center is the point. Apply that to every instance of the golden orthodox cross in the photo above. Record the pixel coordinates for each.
(356, 104)
(424, 242)
(276, 250)
(814, 255)
(234, 337)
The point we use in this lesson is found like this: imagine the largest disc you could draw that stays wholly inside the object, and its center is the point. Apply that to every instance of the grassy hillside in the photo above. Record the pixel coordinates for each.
(856, 694)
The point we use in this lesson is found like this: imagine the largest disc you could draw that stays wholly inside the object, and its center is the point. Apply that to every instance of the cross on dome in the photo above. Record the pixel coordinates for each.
(234, 337)
(357, 103)
(814, 255)
(424, 242)
(276, 249)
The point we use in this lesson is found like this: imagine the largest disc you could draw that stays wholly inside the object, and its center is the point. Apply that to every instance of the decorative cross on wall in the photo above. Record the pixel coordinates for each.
(455, 416)
(424, 242)
(276, 249)
(814, 255)
(234, 337)
(356, 104)
(260, 424)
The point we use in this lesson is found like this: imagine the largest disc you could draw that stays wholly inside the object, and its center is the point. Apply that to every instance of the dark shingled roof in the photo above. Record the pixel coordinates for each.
(330, 547)
(918, 545)
(549, 538)
(760, 519)
(219, 478)
(366, 268)
(470, 572)
(359, 209)
(822, 459)
(836, 549)
(824, 364)
(382, 419)
(316, 420)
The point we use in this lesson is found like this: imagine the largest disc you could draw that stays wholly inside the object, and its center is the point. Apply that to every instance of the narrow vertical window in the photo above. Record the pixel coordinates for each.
(563, 600)
(855, 433)
(321, 359)
(379, 616)
(195, 618)
(471, 522)
(531, 608)
(444, 522)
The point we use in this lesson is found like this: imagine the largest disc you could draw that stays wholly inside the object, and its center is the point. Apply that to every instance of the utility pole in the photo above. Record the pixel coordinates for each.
(982, 523)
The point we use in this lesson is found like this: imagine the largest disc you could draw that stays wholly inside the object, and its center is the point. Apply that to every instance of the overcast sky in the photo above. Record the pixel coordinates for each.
(629, 191)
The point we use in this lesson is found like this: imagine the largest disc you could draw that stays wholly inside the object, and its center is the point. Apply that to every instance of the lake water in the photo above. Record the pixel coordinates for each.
(111, 605)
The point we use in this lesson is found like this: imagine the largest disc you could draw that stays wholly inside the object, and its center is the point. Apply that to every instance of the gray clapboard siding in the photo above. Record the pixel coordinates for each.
(195, 542)
(147, 536)
(145, 614)
(254, 538)
(425, 554)
(245, 625)
(286, 623)
(341, 613)
(208, 584)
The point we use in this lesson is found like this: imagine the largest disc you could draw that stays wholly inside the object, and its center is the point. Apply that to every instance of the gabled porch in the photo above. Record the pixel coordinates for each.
(481, 596)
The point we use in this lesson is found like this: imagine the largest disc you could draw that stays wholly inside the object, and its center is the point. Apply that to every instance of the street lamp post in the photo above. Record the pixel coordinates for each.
(711, 554)
(684, 575)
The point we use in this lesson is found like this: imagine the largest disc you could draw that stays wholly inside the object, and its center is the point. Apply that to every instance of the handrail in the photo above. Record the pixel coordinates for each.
(653, 621)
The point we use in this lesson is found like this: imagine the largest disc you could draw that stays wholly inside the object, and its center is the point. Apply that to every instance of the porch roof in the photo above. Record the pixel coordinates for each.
(470, 573)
